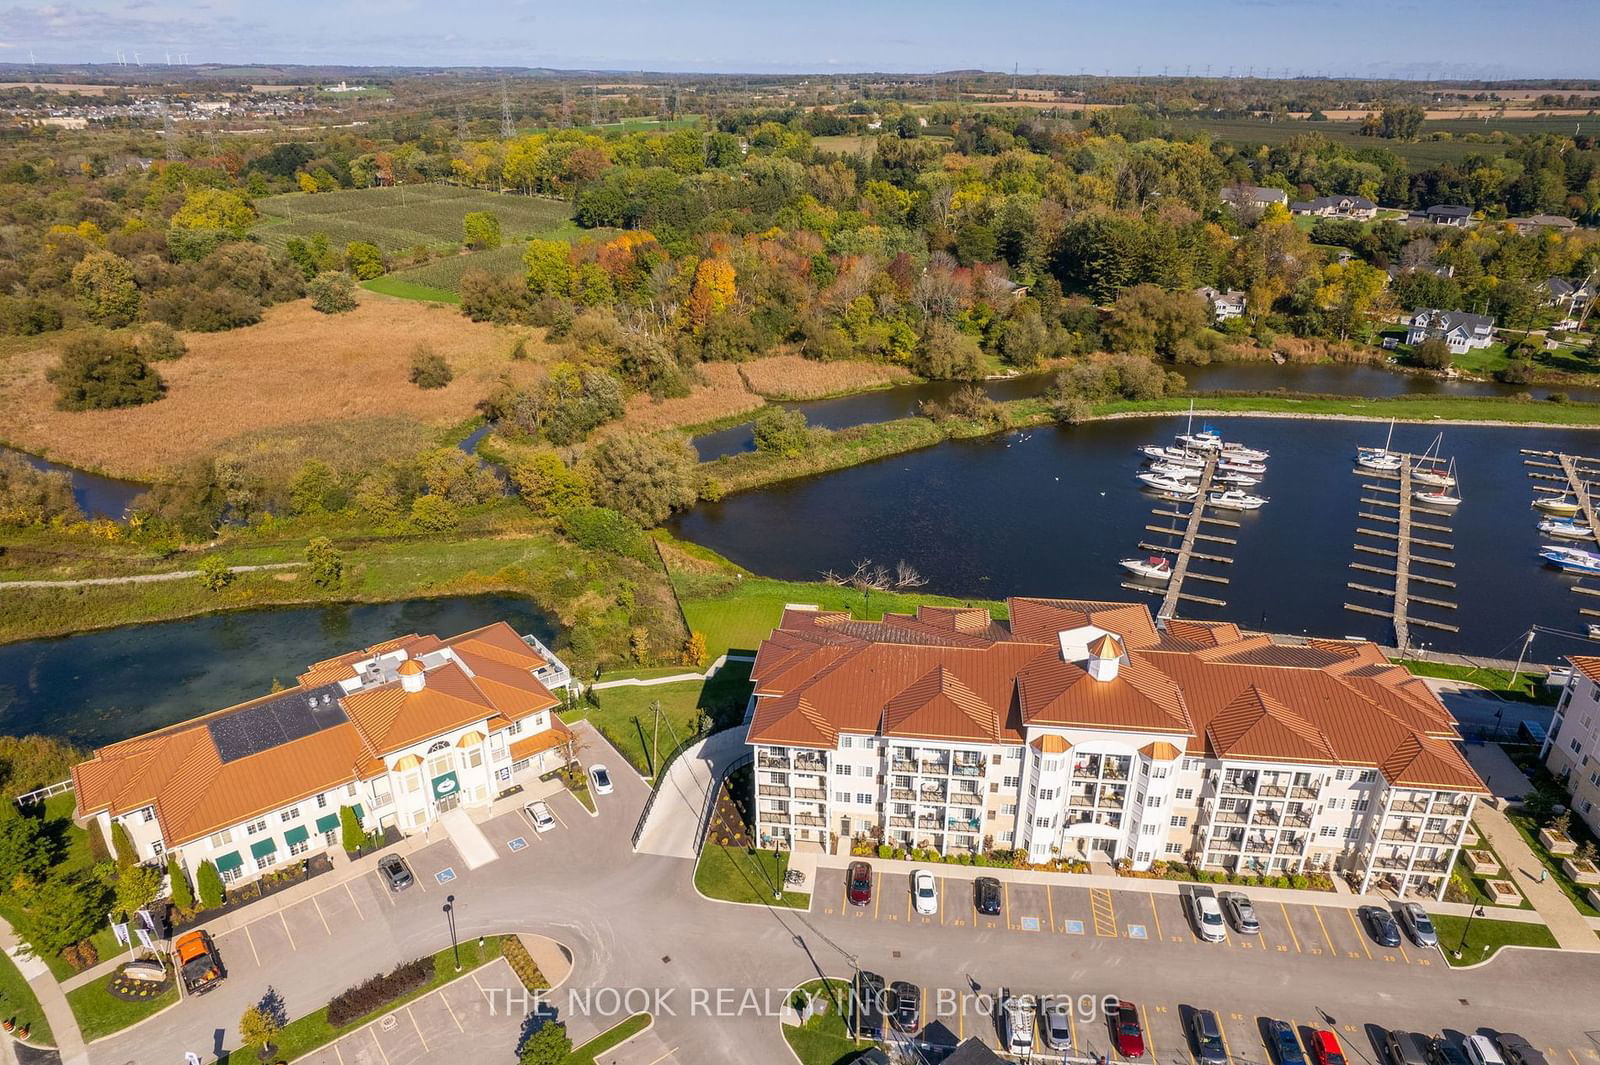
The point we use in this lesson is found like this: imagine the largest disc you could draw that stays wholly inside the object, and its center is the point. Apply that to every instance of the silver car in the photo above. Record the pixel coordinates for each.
(1417, 925)
(1055, 1025)
(1242, 912)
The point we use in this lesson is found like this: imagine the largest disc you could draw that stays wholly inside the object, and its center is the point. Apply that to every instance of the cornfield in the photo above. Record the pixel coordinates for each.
(400, 217)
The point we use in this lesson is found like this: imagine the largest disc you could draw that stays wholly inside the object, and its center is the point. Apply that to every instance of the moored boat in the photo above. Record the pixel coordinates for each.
(1570, 559)
(1242, 480)
(1153, 568)
(1175, 469)
(1231, 466)
(1168, 484)
(1234, 499)
(1560, 505)
(1565, 529)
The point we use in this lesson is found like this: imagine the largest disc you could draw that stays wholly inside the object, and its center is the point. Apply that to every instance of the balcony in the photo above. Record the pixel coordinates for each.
(903, 765)
(810, 820)
(1405, 833)
(956, 824)
(965, 794)
(902, 794)
(1258, 846)
(1114, 771)
(967, 767)
(1272, 791)
(1297, 820)
(811, 763)
(1299, 792)
(772, 760)
(1440, 839)
(1431, 865)
(1293, 841)
(1086, 767)
(1408, 806)
(1232, 817)
(1113, 796)
(1452, 809)
(1264, 817)
(811, 793)
(929, 821)
(934, 766)
(933, 793)
(900, 822)
(775, 790)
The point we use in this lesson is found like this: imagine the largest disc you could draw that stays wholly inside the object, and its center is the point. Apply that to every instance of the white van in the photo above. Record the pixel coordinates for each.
(1482, 1051)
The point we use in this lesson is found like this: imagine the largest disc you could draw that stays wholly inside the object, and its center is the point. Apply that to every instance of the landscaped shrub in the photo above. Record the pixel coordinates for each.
(209, 884)
(379, 991)
(522, 964)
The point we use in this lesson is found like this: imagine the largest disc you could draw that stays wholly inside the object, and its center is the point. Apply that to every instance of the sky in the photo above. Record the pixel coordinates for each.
(1360, 38)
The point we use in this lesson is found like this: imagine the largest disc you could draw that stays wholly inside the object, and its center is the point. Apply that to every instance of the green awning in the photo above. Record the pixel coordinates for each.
(297, 834)
(328, 823)
(361, 815)
(263, 847)
(229, 862)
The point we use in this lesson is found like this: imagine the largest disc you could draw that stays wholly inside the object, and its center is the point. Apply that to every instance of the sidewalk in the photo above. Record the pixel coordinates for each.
(52, 999)
(675, 678)
(1570, 927)
(684, 796)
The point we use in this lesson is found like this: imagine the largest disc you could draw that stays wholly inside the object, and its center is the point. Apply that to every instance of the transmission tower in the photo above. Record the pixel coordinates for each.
(461, 123)
(169, 133)
(507, 130)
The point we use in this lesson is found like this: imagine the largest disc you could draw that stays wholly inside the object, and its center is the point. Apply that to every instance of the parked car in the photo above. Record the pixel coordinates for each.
(866, 1005)
(1242, 912)
(1207, 914)
(1127, 1035)
(924, 893)
(1482, 1051)
(199, 966)
(1518, 1051)
(1055, 1024)
(1206, 1031)
(1406, 1048)
(539, 813)
(1016, 1022)
(1444, 1052)
(1325, 1048)
(1418, 926)
(395, 872)
(1285, 1044)
(858, 884)
(601, 778)
(1381, 926)
(906, 1000)
(986, 896)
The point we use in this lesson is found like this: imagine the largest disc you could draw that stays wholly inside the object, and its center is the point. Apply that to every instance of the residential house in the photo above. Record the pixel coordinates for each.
(1224, 304)
(1358, 207)
(1566, 296)
(1449, 214)
(402, 732)
(1081, 729)
(1460, 330)
(1258, 196)
(1541, 221)
(1572, 746)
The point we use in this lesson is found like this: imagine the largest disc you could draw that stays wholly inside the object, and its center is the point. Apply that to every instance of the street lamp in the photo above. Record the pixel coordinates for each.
(450, 920)
(1474, 912)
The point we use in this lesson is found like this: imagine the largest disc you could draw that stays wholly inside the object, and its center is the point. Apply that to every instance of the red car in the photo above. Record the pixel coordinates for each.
(858, 885)
(1126, 1031)
(1325, 1048)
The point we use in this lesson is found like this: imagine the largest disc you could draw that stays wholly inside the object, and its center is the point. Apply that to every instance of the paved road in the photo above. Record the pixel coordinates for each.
(635, 922)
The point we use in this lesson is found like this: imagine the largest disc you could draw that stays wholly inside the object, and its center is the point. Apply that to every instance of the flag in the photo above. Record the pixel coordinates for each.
(149, 922)
(144, 938)
(121, 932)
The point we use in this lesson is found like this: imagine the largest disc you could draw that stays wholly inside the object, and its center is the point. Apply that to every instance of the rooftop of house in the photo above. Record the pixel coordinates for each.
(958, 675)
(333, 727)
(1360, 203)
(1448, 210)
(1448, 321)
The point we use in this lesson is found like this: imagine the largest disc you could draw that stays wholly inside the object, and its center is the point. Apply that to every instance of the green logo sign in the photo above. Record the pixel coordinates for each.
(445, 786)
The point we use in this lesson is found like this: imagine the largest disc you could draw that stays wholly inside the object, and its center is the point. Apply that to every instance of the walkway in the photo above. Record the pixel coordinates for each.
(1570, 927)
(686, 793)
(63, 1023)
(674, 678)
(142, 578)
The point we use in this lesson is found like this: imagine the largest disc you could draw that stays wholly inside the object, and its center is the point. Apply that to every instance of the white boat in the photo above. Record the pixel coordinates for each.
(1594, 631)
(1153, 568)
(1241, 467)
(1427, 471)
(1440, 497)
(1233, 499)
(1242, 480)
(1557, 505)
(1243, 454)
(1571, 559)
(1166, 484)
(1188, 495)
(1380, 458)
(1565, 529)
(1433, 478)
(1207, 439)
(1175, 469)
(1178, 455)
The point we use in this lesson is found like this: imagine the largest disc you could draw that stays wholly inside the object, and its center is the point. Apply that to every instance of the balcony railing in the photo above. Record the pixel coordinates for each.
(810, 763)
(1406, 834)
(1232, 817)
(1408, 806)
(1272, 791)
(902, 794)
(1439, 838)
(1301, 792)
(810, 793)
(809, 820)
(768, 760)
(1431, 865)
(775, 790)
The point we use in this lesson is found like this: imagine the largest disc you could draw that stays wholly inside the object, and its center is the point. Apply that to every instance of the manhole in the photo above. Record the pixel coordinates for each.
(666, 959)
(895, 954)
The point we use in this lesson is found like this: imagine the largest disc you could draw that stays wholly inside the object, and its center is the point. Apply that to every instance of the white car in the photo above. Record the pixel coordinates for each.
(1208, 920)
(600, 777)
(924, 893)
(539, 813)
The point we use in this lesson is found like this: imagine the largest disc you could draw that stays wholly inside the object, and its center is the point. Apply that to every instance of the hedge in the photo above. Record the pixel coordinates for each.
(522, 964)
(379, 991)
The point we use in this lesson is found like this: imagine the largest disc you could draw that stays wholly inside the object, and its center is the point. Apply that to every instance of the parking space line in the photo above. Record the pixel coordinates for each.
(1290, 925)
(1149, 1036)
(418, 1027)
(877, 895)
(941, 901)
(908, 904)
(1332, 950)
(665, 1056)
(1050, 902)
(844, 893)
(252, 941)
(378, 1043)
(1261, 933)
(285, 921)
(1005, 891)
(322, 915)
(337, 1052)
(353, 901)
(1222, 1030)
(1154, 916)
(1105, 912)
(1352, 915)
(451, 1011)
(1403, 953)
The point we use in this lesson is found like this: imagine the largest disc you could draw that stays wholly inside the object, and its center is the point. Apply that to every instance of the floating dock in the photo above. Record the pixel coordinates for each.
(1186, 551)
(1571, 475)
(1397, 496)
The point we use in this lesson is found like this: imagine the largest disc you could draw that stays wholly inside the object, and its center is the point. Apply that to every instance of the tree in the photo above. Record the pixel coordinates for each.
(364, 259)
(644, 478)
(780, 431)
(548, 485)
(694, 649)
(25, 847)
(713, 291)
(30, 496)
(98, 372)
(548, 1045)
(428, 368)
(257, 1026)
(482, 230)
(434, 513)
(1149, 320)
(136, 887)
(1432, 353)
(214, 575)
(208, 884)
(182, 892)
(31, 762)
(549, 264)
(122, 846)
(1400, 122)
(1024, 340)
(215, 209)
(324, 565)
(332, 292)
(58, 911)
(351, 835)
(316, 489)
(103, 282)
(159, 342)
(947, 354)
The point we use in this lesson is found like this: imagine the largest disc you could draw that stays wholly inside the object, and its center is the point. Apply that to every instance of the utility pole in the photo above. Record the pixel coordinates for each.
(1527, 642)
(655, 736)
(507, 130)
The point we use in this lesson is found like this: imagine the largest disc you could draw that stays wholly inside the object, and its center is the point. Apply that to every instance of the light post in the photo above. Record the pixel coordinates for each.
(1475, 911)
(450, 920)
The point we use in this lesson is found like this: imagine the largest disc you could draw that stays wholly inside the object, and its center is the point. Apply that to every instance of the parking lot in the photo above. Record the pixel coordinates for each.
(1306, 932)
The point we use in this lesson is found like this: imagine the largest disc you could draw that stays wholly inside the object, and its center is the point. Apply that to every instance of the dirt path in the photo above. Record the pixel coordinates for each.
(142, 578)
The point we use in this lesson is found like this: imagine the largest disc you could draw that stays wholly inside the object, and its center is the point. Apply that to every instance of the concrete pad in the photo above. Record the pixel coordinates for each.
(475, 848)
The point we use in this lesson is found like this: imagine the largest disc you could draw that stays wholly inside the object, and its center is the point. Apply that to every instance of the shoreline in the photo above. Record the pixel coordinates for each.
(1223, 412)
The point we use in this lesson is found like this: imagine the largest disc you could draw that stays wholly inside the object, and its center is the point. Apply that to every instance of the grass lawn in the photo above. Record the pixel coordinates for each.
(18, 1003)
(624, 715)
(1486, 937)
(1482, 360)
(1529, 687)
(733, 875)
(608, 1040)
(1403, 408)
(304, 1034)
(101, 1013)
(1472, 883)
(410, 290)
(1575, 891)
(825, 1038)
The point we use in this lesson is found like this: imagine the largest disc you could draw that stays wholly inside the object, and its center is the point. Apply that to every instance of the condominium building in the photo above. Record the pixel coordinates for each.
(1079, 729)
(402, 733)
(1572, 748)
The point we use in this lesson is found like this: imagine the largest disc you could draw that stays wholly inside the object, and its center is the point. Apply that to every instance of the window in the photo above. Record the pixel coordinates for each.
(1143, 856)
(1006, 837)
(1191, 764)
(221, 839)
(322, 802)
(503, 775)
(350, 789)
(1359, 806)
(1183, 793)
(1333, 804)
(1329, 830)
(1174, 848)
(1594, 778)
(1047, 794)
(1368, 776)
(1139, 798)
(156, 848)
(291, 814)
(1161, 771)
(1352, 832)
(1179, 821)
(267, 860)
(254, 828)
(841, 770)
(846, 742)
(863, 798)
(300, 847)
(1149, 830)
(1155, 800)
(841, 796)
(475, 758)
(1577, 748)
(1227, 805)
(1041, 822)
(1013, 782)
(1009, 809)
(148, 813)
(515, 729)
(994, 759)
(230, 875)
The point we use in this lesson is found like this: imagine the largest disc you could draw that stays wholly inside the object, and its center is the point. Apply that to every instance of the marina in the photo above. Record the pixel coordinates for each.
(1574, 498)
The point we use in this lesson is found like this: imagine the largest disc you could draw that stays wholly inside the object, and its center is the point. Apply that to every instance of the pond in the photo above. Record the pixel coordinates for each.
(98, 687)
(1051, 511)
(96, 496)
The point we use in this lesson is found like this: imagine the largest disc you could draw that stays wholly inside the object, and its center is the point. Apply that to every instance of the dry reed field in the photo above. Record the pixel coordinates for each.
(271, 383)
(720, 393)
(790, 377)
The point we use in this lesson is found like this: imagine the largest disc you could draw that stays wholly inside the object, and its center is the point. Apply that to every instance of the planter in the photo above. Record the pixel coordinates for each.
(1503, 892)
(1594, 897)
(1581, 872)
(1555, 842)
(1470, 837)
(1482, 862)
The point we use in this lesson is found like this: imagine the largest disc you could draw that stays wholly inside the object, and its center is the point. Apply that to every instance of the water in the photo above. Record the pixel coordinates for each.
(1343, 380)
(1051, 511)
(98, 687)
(96, 496)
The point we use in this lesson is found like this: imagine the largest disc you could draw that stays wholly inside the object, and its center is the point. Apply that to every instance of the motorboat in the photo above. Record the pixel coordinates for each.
(1242, 480)
(1153, 568)
(1178, 455)
(1241, 453)
(1441, 497)
(1565, 529)
(1594, 631)
(1188, 495)
(1559, 505)
(1234, 499)
(1175, 469)
(1570, 559)
(1231, 466)
(1168, 484)
(1204, 440)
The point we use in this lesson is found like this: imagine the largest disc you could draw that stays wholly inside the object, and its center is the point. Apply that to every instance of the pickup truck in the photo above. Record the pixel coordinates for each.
(198, 965)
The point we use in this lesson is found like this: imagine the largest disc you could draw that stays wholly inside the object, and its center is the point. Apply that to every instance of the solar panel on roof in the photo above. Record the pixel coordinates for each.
(275, 721)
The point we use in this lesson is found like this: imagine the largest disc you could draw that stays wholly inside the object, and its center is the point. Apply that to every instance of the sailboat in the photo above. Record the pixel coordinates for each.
(1380, 458)
(1440, 497)
(1207, 439)
(1426, 471)
(1559, 505)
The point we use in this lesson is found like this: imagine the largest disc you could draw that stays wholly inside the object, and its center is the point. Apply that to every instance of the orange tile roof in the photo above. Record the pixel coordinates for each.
(1226, 694)
(1050, 743)
(1160, 751)
(552, 737)
(1588, 665)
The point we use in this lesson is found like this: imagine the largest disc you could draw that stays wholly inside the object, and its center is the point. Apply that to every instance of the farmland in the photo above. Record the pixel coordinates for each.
(400, 217)
(1419, 155)
(444, 275)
